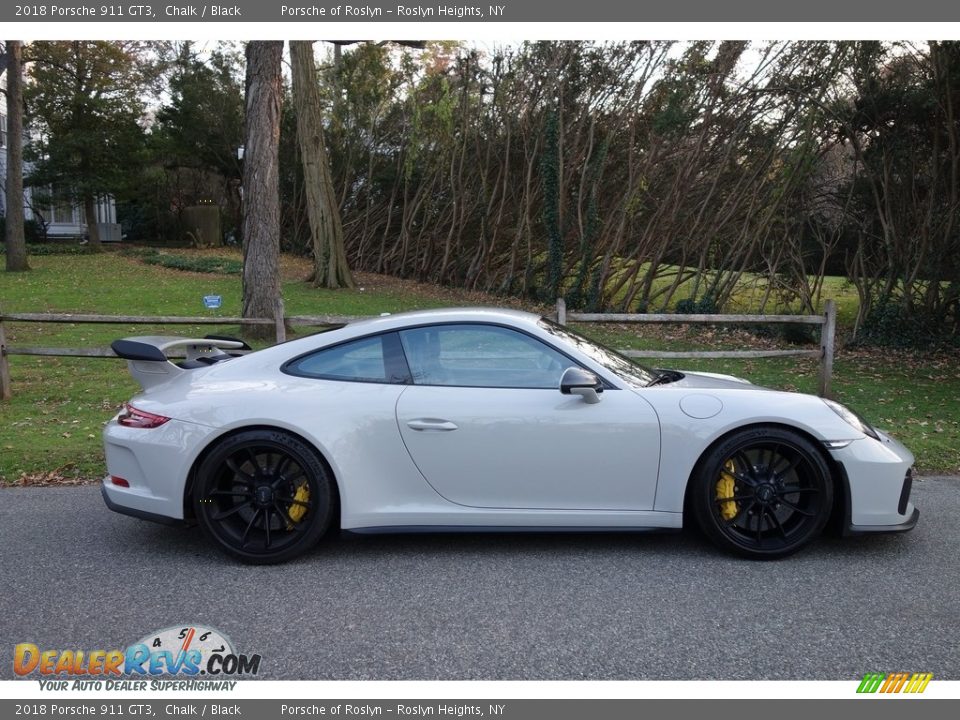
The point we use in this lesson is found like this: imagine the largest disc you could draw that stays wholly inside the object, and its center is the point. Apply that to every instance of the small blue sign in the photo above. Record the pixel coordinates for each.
(212, 302)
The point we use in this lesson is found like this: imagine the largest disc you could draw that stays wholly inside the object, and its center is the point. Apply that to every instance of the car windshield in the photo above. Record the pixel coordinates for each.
(625, 368)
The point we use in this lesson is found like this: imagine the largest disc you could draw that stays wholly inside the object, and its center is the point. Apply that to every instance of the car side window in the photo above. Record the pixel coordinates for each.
(481, 356)
(370, 359)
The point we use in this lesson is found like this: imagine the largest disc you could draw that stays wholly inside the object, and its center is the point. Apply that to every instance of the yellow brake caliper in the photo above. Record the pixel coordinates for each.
(728, 510)
(296, 511)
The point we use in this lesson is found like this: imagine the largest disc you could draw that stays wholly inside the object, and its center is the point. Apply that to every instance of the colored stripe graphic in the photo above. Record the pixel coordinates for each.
(890, 682)
(923, 679)
(871, 683)
(894, 682)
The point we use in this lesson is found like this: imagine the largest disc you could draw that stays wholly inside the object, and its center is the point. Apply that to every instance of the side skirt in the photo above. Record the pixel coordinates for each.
(542, 529)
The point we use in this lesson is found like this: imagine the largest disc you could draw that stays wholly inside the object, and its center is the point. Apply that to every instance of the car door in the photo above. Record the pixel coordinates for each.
(487, 426)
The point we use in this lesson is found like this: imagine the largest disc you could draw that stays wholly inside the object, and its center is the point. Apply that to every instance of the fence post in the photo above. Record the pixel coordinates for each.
(828, 332)
(5, 391)
(278, 321)
(561, 311)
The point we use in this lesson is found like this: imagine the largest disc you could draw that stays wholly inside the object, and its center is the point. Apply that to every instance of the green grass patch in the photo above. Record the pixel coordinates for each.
(750, 293)
(51, 428)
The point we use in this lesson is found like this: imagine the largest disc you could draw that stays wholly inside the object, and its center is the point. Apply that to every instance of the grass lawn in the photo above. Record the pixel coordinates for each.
(50, 430)
(750, 291)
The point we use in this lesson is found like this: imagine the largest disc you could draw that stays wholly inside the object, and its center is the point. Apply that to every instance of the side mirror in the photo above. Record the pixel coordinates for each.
(577, 381)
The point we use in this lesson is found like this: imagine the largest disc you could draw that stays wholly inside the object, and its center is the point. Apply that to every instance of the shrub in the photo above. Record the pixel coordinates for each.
(52, 249)
(32, 231)
(200, 263)
(892, 325)
(707, 305)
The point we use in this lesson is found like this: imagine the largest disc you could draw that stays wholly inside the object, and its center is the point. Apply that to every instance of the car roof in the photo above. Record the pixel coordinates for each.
(395, 321)
(446, 315)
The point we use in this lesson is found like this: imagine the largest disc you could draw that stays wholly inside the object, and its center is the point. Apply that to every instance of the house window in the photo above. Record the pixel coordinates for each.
(60, 209)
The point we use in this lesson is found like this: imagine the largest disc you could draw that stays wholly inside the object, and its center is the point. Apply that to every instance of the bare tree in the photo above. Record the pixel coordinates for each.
(329, 255)
(261, 193)
(16, 243)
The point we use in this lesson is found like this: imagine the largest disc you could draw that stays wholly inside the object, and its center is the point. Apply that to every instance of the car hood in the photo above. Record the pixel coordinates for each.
(713, 380)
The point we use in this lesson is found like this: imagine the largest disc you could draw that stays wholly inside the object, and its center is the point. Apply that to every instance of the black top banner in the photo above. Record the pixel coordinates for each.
(578, 11)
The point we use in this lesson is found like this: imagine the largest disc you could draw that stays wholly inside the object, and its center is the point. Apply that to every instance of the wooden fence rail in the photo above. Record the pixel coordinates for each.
(827, 322)
(279, 322)
(176, 319)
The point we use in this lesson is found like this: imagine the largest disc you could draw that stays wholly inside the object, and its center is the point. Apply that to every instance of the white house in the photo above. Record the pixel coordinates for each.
(63, 218)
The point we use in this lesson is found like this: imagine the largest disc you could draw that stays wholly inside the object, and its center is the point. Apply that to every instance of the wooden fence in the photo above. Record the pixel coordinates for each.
(279, 323)
(827, 323)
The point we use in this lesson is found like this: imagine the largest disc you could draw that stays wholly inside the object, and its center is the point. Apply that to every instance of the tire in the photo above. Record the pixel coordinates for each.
(264, 496)
(762, 493)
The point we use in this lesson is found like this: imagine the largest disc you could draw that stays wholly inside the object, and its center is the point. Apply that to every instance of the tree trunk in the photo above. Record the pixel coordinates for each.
(261, 188)
(90, 215)
(13, 236)
(329, 254)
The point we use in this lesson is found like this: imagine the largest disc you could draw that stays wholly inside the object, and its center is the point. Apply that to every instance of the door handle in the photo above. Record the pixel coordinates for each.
(431, 425)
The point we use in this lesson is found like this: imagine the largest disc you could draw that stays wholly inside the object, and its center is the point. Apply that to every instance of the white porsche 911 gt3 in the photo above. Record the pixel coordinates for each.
(479, 420)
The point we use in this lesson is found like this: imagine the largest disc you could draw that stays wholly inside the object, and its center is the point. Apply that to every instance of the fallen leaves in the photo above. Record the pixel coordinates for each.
(65, 475)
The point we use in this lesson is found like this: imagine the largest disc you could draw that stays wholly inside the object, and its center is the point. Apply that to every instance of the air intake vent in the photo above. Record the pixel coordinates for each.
(905, 492)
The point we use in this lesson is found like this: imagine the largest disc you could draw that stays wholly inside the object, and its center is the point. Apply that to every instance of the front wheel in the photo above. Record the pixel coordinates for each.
(264, 496)
(762, 493)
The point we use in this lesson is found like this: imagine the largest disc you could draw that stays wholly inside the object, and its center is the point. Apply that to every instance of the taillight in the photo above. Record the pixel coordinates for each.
(131, 417)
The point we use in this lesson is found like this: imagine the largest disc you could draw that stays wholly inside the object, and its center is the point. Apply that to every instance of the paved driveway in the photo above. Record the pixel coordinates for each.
(617, 606)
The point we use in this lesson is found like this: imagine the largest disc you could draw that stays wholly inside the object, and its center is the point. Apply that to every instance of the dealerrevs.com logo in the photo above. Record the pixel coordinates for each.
(186, 652)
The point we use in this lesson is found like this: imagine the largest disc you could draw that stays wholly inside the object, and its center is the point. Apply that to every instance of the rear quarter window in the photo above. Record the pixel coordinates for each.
(369, 359)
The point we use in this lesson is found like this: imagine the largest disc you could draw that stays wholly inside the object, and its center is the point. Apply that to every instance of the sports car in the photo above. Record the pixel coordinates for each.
(482, 420)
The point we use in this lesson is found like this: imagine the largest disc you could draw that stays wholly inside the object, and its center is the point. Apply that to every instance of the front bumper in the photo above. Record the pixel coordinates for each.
(877, 483)
(908, 524)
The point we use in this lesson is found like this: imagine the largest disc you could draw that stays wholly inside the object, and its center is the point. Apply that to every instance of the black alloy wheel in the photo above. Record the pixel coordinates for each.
(264, 496)
(763, 493)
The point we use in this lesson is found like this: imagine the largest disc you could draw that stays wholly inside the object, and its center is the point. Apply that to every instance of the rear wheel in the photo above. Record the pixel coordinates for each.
(762, 493)
(264, 496)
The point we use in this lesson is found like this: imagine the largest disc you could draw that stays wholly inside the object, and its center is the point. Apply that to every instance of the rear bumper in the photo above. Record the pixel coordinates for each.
(135, 512)
(154, 463)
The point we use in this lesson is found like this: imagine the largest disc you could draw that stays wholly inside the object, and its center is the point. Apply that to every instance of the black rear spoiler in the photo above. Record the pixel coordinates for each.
(148, 356)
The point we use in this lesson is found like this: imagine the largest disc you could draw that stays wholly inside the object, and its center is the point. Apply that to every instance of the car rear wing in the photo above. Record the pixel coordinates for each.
(150, 357)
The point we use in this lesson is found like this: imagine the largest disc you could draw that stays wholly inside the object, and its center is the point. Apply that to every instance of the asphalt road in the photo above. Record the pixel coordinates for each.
(74, 575)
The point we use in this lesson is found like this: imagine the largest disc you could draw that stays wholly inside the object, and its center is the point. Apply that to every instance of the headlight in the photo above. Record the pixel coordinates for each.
(852, 419)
